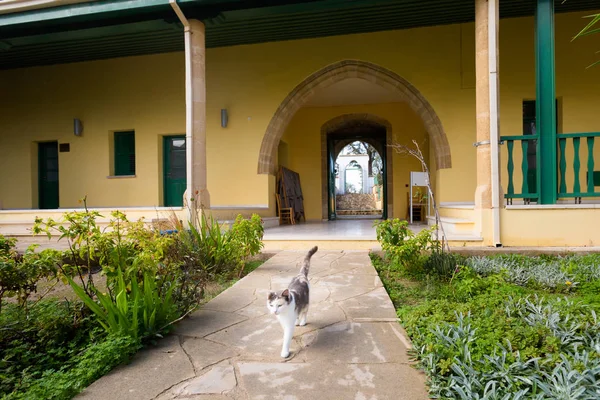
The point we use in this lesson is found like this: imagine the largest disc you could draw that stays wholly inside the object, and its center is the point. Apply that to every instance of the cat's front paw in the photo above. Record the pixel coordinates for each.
(285, 354)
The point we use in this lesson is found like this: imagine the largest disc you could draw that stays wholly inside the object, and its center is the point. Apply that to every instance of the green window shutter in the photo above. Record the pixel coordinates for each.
(125, 153)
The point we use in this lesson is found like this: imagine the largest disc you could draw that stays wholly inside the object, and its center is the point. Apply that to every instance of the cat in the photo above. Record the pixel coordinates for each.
(290, 306)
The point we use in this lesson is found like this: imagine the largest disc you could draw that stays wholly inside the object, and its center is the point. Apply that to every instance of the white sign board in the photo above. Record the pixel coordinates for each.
(417, 179)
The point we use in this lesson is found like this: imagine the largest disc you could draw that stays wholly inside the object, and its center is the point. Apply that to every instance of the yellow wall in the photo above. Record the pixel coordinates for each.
(552, 226)
(147, 94)
(121, 94)
(303, 137)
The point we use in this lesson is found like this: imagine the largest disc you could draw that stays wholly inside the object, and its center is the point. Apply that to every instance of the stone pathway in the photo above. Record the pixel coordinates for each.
(351, 348)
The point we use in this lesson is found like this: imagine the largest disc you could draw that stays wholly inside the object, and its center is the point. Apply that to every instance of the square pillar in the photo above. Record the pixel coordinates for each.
(195, 89)
(545, 88)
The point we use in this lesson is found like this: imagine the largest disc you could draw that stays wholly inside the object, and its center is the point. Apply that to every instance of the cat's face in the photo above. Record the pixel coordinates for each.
(278, 303)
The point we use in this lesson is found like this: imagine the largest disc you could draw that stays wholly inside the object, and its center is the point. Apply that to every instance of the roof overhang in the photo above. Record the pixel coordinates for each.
(46, 32)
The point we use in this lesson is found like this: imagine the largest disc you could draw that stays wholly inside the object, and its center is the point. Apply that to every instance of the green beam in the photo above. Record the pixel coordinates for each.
(93, 8)
(546, 98)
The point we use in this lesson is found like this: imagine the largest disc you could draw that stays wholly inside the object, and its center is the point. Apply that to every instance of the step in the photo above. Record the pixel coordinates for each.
(455, 226)
(457, 210)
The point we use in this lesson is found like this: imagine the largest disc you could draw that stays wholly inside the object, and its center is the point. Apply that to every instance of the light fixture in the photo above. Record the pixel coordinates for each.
(77, 127)
(224, 117)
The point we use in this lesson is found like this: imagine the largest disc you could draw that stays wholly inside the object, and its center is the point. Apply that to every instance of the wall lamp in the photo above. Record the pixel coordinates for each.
(77, 127)
(224, 117)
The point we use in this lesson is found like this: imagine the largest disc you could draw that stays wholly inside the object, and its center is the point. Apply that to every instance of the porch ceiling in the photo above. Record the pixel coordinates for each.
(118, 28)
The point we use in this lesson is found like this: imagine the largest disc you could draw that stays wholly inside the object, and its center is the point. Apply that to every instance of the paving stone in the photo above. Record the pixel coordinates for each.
(205, 322)
(219, 379)
(257, 308)
(258, 337)
(320, 315)
(340, 293)
(257, 279)
(318, 294)
(151, 371)
(349, 279)
(346, 351)
(231, 300)
(311, 381)
(203, 352)
(374, 304)
(351, 342)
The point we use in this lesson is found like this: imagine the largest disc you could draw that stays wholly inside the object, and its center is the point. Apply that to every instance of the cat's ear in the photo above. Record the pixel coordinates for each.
(286, 295)
(272, 296)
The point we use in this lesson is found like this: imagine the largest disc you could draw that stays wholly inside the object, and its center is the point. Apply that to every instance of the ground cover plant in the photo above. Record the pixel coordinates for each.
(128, 285)
(497, 327)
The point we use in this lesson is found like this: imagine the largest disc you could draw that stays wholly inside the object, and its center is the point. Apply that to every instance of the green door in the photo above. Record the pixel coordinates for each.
(331, 179)
(175, 174)
(48, 175)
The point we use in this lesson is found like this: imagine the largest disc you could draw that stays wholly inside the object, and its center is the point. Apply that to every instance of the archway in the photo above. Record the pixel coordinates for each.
(340, 71)
(349, 128)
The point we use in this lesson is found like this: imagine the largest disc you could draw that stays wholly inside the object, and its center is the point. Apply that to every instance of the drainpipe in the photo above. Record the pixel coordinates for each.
(187, 33)
(494, 117)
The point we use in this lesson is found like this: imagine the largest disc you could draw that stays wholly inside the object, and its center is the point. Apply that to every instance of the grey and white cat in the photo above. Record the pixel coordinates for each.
(290, 306)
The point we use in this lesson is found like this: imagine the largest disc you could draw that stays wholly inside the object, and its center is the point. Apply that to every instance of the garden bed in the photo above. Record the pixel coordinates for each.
(69, 317)
(496, 327)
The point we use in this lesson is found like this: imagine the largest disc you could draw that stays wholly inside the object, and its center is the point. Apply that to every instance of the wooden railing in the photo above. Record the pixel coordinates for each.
(591, 177)
(569, 178)
(529, 184)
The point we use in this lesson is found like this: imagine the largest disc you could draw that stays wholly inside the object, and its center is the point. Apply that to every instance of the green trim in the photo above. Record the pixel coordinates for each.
(575, 195)
(520, 137)
(576, 166)
(562, 143)
(545, 101)
(170, 196)
(577, 135)
(511, 168)
(93, 8)
(124, 146)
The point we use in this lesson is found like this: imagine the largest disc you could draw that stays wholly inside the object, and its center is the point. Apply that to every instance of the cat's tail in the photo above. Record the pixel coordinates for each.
(306, 263)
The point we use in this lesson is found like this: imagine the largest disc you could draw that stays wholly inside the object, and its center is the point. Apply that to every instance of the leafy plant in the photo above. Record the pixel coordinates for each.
(19, 275)
(7, 246)
(590, 29)
(402, 247)
(480, 337)
(65, 382)
(122, 316)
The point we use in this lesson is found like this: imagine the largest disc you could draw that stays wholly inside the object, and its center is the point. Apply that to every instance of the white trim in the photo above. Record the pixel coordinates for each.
(120, 176)
(553, 206)
(63, 210)
(493, 7)
(459, 205)
(241, 207)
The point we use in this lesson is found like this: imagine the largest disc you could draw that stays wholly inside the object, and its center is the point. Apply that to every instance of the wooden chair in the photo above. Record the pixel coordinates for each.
(418, 209)
(286, 213)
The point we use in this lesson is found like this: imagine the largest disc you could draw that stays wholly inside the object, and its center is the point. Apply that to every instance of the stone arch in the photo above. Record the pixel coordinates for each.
(340, 71)
(343, 121)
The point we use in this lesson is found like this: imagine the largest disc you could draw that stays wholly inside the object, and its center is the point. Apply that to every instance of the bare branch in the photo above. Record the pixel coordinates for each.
(416, 153)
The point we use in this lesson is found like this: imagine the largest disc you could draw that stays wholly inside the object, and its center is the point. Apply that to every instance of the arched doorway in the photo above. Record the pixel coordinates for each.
(340, 71)
(336, 134)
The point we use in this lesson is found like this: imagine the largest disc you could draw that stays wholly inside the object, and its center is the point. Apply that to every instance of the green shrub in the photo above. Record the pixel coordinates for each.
(403, 248)
(442, 264)
(481, 336)
(223, 252)
(63, 383)
(52, 349)
(7, 246)
(19, 275)
(44, 336)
